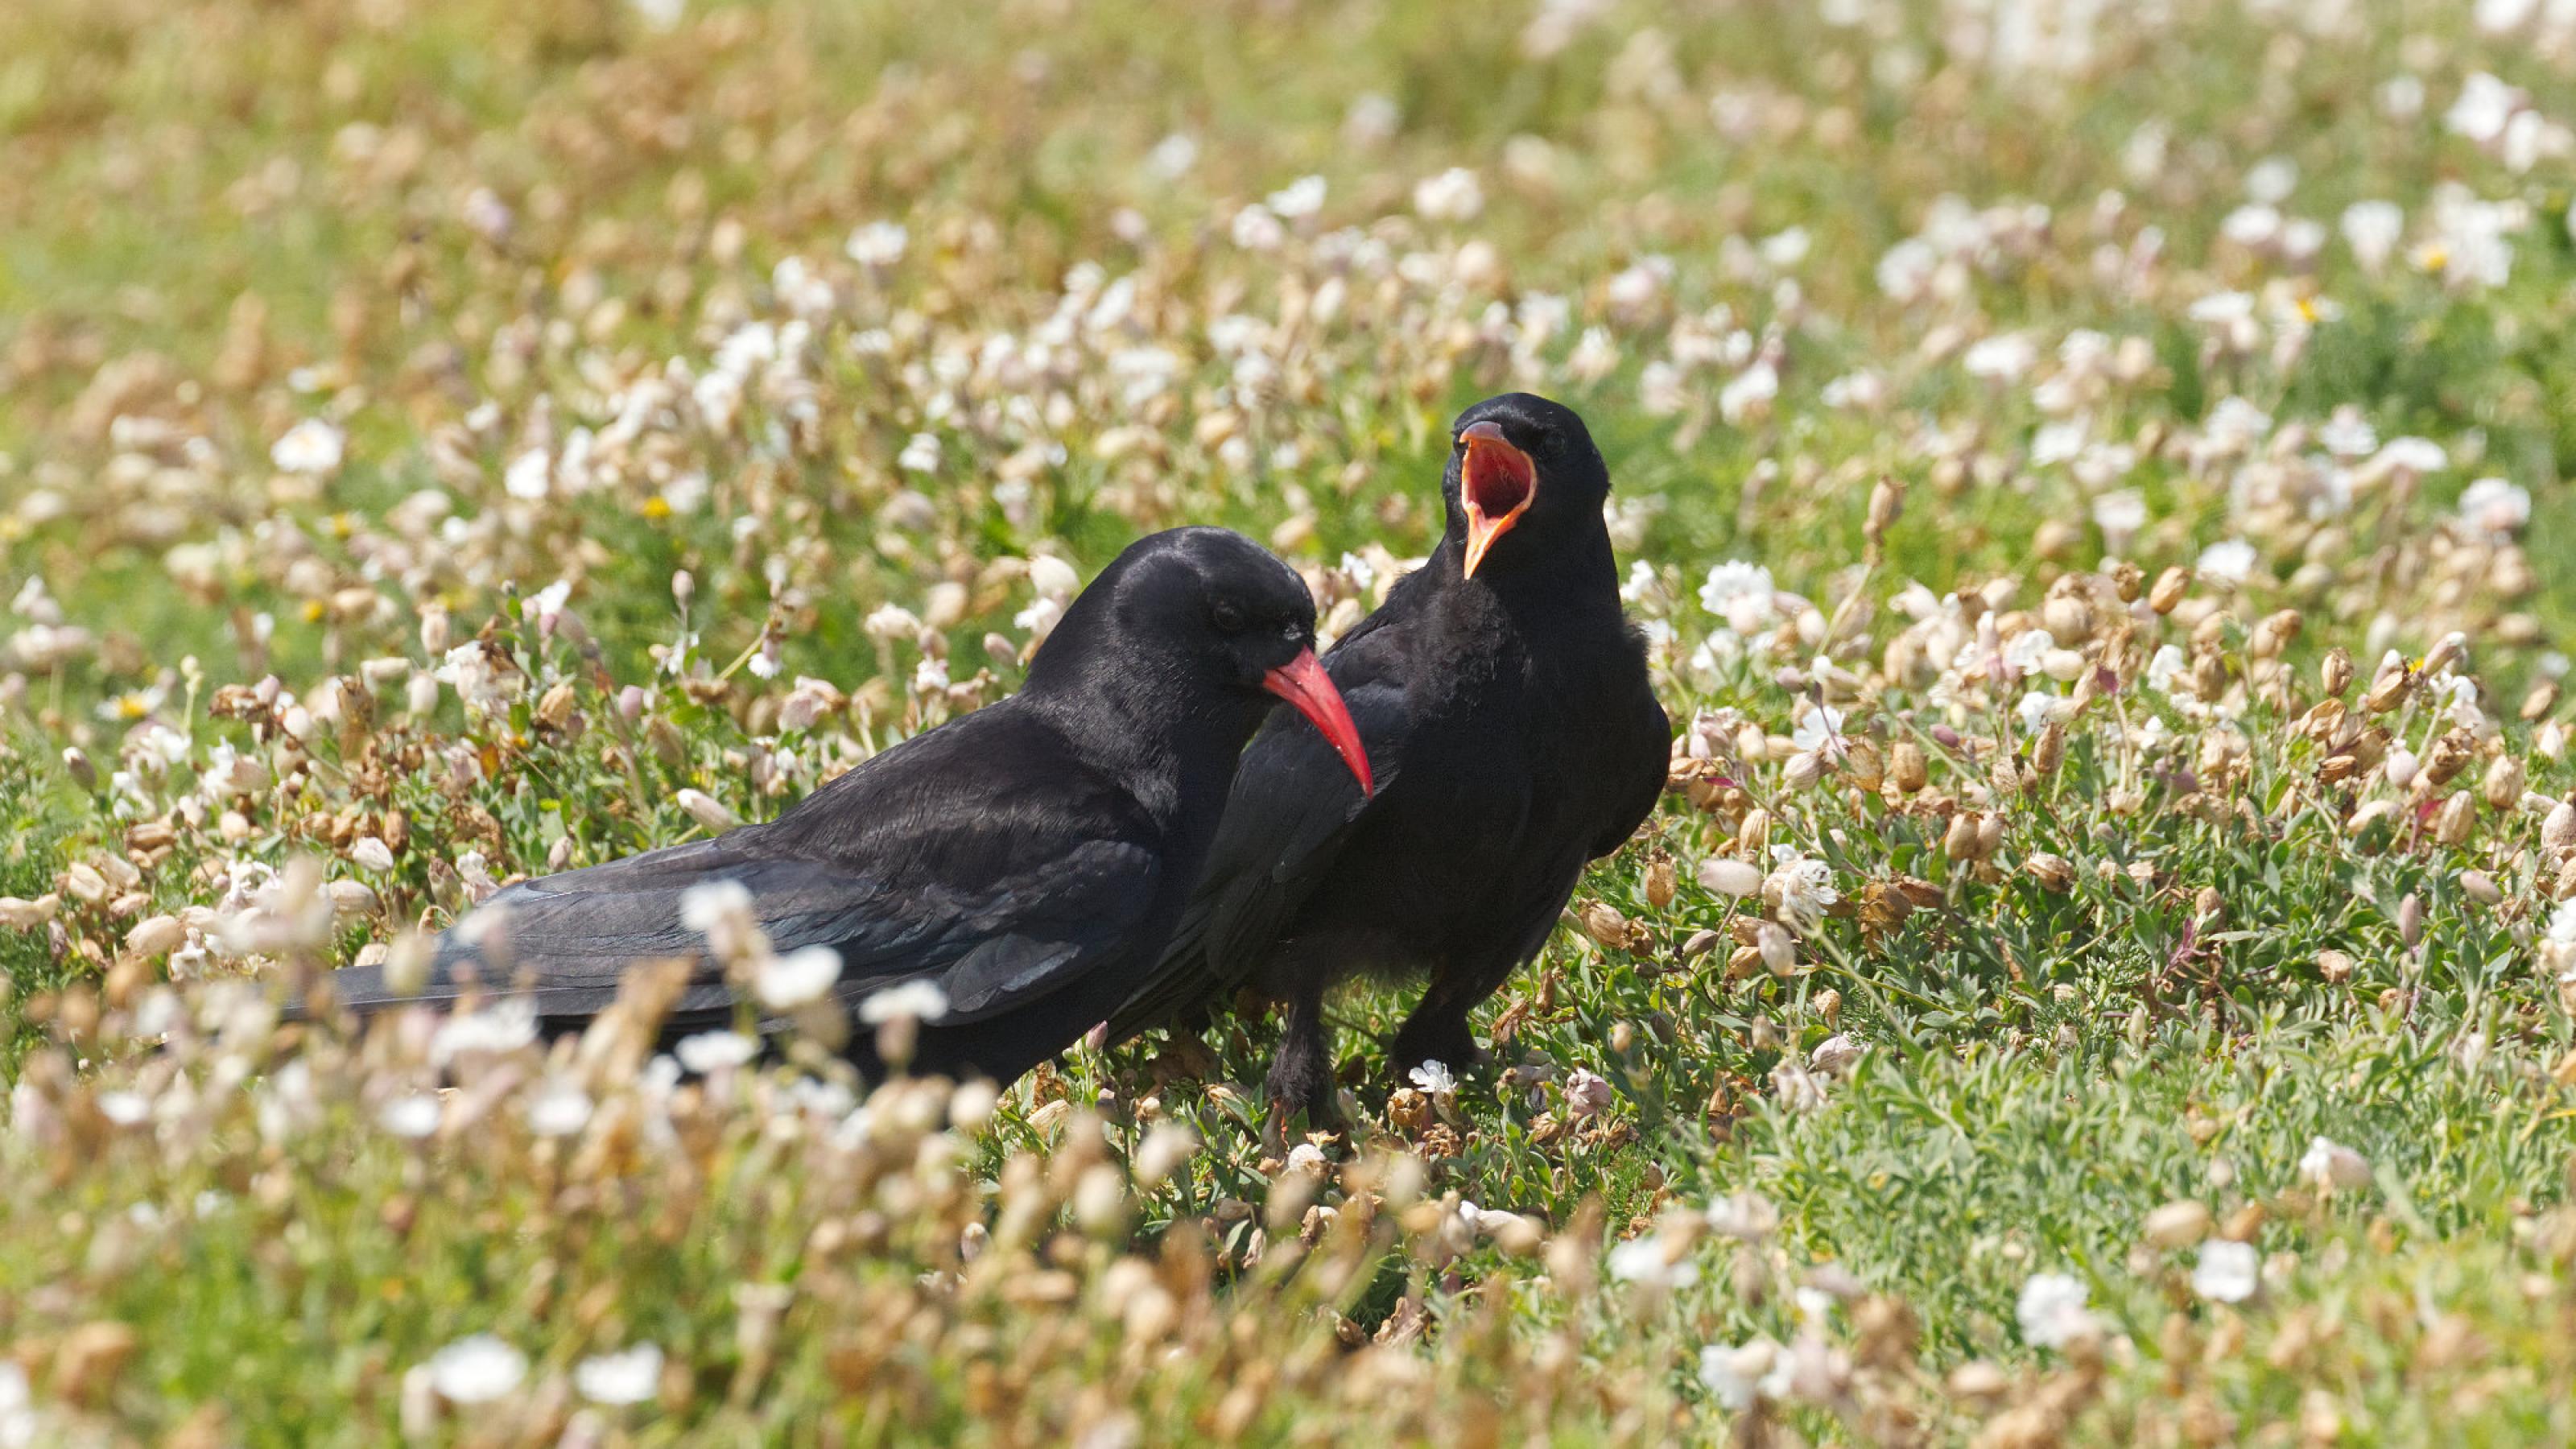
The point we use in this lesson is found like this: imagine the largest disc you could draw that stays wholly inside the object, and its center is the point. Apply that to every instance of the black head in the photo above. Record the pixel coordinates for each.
(1199, 621)
(1523, 480)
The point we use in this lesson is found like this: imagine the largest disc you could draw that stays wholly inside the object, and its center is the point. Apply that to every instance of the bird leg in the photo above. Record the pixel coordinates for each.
(1437, 1031)
(1301, 1071)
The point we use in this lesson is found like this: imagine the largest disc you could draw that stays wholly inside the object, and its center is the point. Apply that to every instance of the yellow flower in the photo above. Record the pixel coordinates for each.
(657, 508)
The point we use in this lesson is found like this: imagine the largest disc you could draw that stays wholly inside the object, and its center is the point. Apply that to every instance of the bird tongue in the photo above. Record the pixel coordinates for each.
(1302, 682)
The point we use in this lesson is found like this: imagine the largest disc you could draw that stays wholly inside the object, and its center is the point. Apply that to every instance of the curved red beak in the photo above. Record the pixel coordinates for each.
(1496, 482)
(1302, 682)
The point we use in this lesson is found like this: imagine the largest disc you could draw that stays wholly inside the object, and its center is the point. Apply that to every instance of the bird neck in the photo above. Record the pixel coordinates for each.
(1124, 722)
(1575, 568)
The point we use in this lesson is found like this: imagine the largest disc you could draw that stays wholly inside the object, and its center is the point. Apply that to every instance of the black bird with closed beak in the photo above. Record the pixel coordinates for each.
(1026, 862)
(1504, 698)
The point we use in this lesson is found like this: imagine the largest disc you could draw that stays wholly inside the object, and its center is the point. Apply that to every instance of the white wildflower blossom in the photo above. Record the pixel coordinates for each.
(2052, 1311)
(920, 1000)
(628, 1376)
(2228, 1272)
(476, 1370)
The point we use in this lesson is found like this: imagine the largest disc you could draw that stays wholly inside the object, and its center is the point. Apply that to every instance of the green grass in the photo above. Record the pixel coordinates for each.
(2199, 942)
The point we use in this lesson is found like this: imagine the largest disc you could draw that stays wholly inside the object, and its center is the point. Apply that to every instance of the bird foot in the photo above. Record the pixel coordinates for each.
(1451, 1044)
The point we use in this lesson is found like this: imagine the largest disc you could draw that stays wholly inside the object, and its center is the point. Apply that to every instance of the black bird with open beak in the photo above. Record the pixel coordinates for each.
(1028, 860)
(1504, 699)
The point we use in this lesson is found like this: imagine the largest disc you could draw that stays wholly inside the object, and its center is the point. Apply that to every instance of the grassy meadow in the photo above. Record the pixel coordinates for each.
(2090, 476)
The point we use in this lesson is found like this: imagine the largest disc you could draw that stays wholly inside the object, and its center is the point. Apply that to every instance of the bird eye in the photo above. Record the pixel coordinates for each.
(1228, 618)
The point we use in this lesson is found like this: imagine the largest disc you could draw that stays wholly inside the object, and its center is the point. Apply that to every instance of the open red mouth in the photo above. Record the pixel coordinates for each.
(1495, 483)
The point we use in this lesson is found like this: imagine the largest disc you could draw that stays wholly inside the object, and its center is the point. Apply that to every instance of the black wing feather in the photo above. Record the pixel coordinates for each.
(1292, 806)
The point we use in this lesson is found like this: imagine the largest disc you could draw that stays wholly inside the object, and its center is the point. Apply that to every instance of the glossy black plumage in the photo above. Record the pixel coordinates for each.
(1515, 735)
(1029, 858)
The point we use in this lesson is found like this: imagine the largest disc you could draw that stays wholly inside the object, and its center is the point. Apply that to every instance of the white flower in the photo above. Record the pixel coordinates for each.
(1803, 888)
(124, 1109)
(559, 1110)
(2023, 651)
(1301, 197)
(504, 1026)
(1743, 1374)
(1648, 1260)
(2495, 508)
(2272, 179)
(1255, 229)
(1173, 155)
(1745, 1215)
(1434, 1076)
(630, 1376)
(878, 244)
(415, 1116)
(2228, 562)
(476, 1370)
(2331, 1165)
(714, 1051)
(2372, 229)
(1586, 1093)
(18, 1422)
(659, 14)
(2001, 359)
(920, 1000)
(1822, 725)
(2562, 924)
(311, 446)
(1453, 195)
(785, 982)
(2052, 1311)
(2484, 108)
(720, 910)
(1740, 593)
(2410, 455)
(2120, 515)
(1835, 1055)
(1748, 395)
(2228, 1272)
(920, 454)
(530, 475)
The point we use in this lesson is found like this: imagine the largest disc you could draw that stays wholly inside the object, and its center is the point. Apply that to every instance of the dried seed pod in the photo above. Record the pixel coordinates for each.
(1754, 836)
(1886, 505)
(2457, 818)
(2480, 887)
(2542, 699)
(1861, 759)
(2324, 723)
(2503, 786)
(2336, 672)
(2128, 580)
(2447, 758)
(1661, 881)
(2274, 634)
(2067, 618)
(2558, 831)
(2388, 691)
(2053, 872)
(1990, 836)
(2334, 966)
(1959, 842)
(1803, 771)
(2050, 752)
(2171, 585)
(1907, 766)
